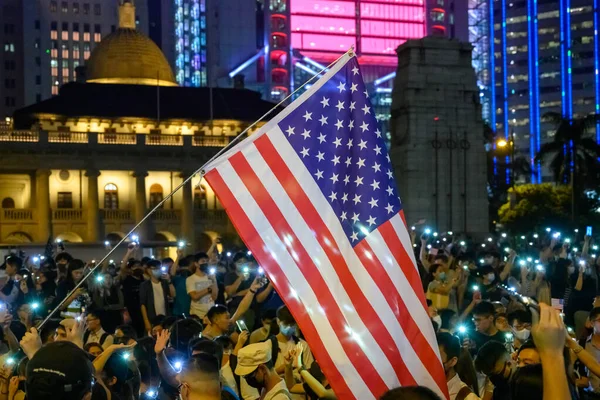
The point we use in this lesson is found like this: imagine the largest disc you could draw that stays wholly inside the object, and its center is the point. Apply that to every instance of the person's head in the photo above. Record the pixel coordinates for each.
(441, 259)
(287, 324)
(438, 272)
(13, 264)
(59, 371)
(62, 259)
(240, 261)
(135, 267)
(60, 334)
(528, 354)
(24, 312)
(167, 262)
(410, 393)
(449, 350)
(154, 269)
(201, 262)
(200, 374)
(501, 322)
(489, 276)
(527, 383)
(219, 318)
(48, 331)
(520, 322)
(75, 271)
(494, 361)
(448, 320)
(182, 332)
(210, 347)
(499, 308)
(93, 321)
(268, 319)
(107, 280)
(93, 348)
(595, 319)
(483, 317)
(121, 375)
(491, 258)
(255, 364)
(227, 345)
(185, 265)
(125, 334)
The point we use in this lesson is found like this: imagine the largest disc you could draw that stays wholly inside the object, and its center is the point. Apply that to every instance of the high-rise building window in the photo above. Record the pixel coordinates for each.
(64, 200)
(37, 24)
(53, 6)
(65, 31)
(97, 9)
(38, 61)
(38, 80)
(86, 8)
(9, 29)
(64, 6)
(75, 8)
(9, 101)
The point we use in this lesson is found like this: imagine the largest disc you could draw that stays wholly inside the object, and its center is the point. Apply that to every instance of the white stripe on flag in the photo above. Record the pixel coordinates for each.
(293, 274)
(367, 342)
(364, 280)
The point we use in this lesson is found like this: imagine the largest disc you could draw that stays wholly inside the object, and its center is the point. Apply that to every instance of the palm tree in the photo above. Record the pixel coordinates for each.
(574, 151)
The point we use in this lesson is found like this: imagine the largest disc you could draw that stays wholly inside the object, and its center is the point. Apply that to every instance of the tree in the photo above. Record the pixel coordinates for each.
(574, 152)
(533, 207)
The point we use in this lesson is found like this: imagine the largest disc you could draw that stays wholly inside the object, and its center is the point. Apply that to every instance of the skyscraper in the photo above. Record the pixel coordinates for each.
(44, 42)
(544, 57)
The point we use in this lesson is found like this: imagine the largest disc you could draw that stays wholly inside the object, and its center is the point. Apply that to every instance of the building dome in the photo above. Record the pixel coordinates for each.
(126, 56)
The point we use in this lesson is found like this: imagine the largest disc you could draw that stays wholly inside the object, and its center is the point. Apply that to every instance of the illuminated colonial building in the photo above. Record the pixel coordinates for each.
(87, 164)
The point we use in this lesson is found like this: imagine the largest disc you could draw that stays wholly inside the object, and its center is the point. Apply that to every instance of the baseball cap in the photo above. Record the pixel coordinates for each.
(59, 370)
(251, 356)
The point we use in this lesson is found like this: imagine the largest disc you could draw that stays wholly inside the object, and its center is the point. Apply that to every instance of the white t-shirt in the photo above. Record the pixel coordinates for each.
(454, 387)
(159, 299)
(307, 360)
(197, 283)
(228, 379)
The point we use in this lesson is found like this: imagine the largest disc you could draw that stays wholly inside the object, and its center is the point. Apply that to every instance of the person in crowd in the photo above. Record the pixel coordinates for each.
(227, 376)
(410, 393)
(94, 332)
(155, 293)
(440, 287)
(201, 287)
(125, 334)
(494, 361)
(95, 349)
(131, 277)
(62, 261)
(27, 292)
(77, 299)
(520, 323)
(256, 366)
(10, 291)
(527, 354)
(238, 282)
(180, 271)
(200, 378)
(268, 321)
(59, 371)
(485, 327)
(592, 346)
(450, 352)
(107, 299)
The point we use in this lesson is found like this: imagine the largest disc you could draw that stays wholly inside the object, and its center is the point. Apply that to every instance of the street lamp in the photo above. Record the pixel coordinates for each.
(502, 143)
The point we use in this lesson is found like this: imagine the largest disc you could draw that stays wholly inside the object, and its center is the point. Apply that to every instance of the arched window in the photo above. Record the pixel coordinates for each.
(156, 195)
(8, 202)
(200, 200)
(111, 197)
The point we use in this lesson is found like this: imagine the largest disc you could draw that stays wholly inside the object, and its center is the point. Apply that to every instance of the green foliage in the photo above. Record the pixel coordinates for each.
(536, 206)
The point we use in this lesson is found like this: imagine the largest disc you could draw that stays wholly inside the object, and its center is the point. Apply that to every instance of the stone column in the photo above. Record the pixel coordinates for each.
(93, 206)
(141, 205)
(44, 213)
(187, 212)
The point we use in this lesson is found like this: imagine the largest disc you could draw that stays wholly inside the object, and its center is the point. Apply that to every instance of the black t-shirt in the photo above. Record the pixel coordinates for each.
(230, 279)
(131, 291)
(480, 339)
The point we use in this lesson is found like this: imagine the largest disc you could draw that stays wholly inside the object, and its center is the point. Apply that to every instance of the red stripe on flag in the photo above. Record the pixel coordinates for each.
(305, 263)
(308, 212)
(412, 331)
(394, 243)
(253, 240)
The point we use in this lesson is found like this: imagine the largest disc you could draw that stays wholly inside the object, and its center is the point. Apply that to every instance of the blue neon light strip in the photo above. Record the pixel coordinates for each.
(563, 81)
(305, 68)
(532, 99)
(314, 63)
(536, 89)
(492, 84)
(384, 79)
(569, 59)
(596, 68)
(505, 82)
(249, 62)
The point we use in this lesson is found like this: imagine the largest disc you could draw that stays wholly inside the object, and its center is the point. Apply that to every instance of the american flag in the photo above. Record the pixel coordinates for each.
(313, 196)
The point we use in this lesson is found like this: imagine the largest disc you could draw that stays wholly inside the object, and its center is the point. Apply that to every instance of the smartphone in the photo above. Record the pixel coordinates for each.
(241, 325)
(588, 231)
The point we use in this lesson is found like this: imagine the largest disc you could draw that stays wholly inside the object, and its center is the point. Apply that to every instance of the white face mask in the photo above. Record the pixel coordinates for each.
(490, 277)
(438, 320)
(522, 334)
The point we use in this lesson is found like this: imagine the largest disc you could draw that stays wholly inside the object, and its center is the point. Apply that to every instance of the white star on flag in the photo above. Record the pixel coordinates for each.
(307, 116)
(356, 199)
(319, 174)
(340, 105)
(355, 217)
(337, 142)
(354, 87)
(342, 87)
(375, 185)
(371, 220)
(321, 138)
(325, 102)
(304, 152)
(360, 163)
(323, 120)
(334, 178)
(355, 70)
(366, 109)
(373, 202)
(320, 156)
(306, 134)
(335, 160)
(339, 124)
(389, 208)
(362, 144)
(290, 130)
(364, 126)
(359, 181)
(352, 105)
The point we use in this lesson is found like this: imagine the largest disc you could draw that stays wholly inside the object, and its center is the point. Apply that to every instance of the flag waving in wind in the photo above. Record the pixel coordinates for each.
(313, 196)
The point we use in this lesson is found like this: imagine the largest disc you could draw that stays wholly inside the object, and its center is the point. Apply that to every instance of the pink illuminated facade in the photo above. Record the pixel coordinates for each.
(322, 29)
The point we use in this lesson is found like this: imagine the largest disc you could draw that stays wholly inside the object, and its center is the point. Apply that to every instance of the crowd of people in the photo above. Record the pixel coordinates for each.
(516, 318)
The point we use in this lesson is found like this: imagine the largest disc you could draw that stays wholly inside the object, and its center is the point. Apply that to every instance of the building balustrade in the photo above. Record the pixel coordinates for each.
(68, 214)
(17, 214)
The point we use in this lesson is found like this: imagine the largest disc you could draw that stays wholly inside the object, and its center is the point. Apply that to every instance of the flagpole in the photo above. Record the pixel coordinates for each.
(182, 184)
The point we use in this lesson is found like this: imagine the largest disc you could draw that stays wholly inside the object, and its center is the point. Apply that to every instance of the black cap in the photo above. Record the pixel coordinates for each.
(59, 370)
(15, 261)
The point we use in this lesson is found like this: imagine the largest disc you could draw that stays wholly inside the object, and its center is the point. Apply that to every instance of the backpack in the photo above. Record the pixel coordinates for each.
(103, 338)
(463, 393)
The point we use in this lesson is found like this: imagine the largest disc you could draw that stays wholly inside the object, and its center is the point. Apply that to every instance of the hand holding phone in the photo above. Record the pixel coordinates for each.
(241, 325)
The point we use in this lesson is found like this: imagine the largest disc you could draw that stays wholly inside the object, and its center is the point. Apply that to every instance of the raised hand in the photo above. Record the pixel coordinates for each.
(31, 343)
(161, 341)
(75, 334)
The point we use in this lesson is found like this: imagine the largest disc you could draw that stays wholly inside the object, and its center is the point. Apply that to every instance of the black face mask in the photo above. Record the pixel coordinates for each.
(204, 268)
(121, 340)
(252, 381)
(499, 380)
(138, 273)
